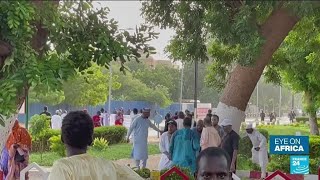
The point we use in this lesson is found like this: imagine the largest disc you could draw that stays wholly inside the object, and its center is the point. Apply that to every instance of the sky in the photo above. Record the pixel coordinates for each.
(127, 13)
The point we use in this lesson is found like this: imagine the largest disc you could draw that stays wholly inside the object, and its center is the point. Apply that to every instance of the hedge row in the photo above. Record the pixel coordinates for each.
(304, 119)
(113, 134)
(146, 173)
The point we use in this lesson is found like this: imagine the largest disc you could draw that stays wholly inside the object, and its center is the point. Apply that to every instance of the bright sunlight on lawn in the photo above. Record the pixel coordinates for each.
(113, 152)
(287, 130)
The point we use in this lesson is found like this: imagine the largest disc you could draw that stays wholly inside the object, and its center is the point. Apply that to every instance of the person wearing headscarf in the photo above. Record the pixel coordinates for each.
(97, 119)
(18, 146)
(119, 118)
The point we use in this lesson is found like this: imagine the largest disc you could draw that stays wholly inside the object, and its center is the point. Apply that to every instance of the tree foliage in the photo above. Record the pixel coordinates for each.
(133, 89)
(226, 32)
(161, 76)
(170, 77)
(297, 63)
(46, 42)
(88, 87)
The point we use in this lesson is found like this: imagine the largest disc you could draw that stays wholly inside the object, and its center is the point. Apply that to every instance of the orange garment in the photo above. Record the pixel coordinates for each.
(19, 135)
(209, 138)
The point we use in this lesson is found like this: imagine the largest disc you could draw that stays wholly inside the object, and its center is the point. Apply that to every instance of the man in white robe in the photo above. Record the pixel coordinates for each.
(140, 127)
(259, 149)
(164, 145)
(56, 120)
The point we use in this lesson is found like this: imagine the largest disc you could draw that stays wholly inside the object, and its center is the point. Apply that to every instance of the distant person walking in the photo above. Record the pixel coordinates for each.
(97, 119)
(45, 111)
(292, 116)
(140, 131)
(262, 115)
(56, 121)
(209, 136)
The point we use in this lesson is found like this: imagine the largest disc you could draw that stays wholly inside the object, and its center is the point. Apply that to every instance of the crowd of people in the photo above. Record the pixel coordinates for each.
(182, 142)
(208, 149)
(101, 118)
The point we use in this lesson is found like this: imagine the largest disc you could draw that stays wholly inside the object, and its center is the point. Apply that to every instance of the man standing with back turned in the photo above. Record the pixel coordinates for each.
(140, 128)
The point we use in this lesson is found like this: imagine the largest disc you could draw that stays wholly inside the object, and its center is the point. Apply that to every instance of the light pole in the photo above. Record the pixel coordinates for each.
(280, 99)
(292, 101)
(195, 90)
(258, 98)
(181, 87)
(110, 79)
(110, 89)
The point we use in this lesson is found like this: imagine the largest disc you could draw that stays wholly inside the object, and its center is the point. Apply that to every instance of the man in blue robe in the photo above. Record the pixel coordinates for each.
(184, 146)
(140, 127)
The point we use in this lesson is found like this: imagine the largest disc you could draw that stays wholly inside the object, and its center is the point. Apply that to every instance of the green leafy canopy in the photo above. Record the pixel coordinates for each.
(50, 41)
(225, 32)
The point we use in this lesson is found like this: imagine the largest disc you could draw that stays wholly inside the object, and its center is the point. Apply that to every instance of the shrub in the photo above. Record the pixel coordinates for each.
(245, 147)
(314, 165)
(113, 134)
(279, 162)
(314, 144)
(302, 119)
(144, 172)
(100, 144)
(39, 126)
(42, 141)
(57, 146)
(245, 163)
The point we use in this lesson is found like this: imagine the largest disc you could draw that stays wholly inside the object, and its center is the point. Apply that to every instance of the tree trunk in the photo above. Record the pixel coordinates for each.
(243, 80)
(312, 111)
(314, 130)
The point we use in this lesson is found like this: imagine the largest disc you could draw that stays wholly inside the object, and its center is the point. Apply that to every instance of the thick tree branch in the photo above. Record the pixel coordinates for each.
(5, 48)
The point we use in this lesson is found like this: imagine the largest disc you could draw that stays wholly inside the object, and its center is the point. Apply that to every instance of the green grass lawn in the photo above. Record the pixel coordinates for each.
(113, 152)
(287, 130)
